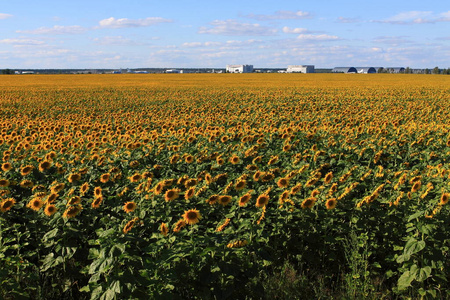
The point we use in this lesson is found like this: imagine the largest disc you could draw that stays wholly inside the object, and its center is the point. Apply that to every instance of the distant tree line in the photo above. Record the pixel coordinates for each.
(7, 71)
(408, 70)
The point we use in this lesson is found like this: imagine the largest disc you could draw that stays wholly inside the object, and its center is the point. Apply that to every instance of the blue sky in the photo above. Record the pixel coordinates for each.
(189, 34)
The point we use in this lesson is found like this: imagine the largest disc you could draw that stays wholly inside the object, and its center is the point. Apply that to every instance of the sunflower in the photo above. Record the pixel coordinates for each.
(331, 203)
(190, 183)
(35, 204)
(272, 160)
(135, 178)
(240, 185)
(57, 188)
(96, 202)
(296, 189)
(84, 188)
(244, 199)
(26, 170)
(26, 184)
(444, 198)
(72, 211)
(224, 200)
(234, 159)
(189, 193)
(284, 195)
(51, 198)
(309, 202)
(44, 165)
(6, 166)
(74, 177)
(104, 178)
(212, 199)
(129, 206)
(208, 178)
(267, 177)
(315, 193)
(7, 204)
(50, 209)
(191, 216)
(257, 175)
(171, 195)
(4, 182)
(74, 200)
(283, 182)
(257, 159)
(262, 200)
(220, 161)
(287, 147)
(179, 225)
(159, 187)
(164, 229)
(416, 186)
(97, 191)
(252, 167)
(130, 225)
(174, 159)
(189, 159)
(328, 177)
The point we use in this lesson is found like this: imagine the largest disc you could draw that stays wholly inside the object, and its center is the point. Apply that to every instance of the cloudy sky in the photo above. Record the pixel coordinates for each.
(186, 33)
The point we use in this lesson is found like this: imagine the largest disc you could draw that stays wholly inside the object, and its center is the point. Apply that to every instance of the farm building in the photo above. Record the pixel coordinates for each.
(239, 69)
(366, 70)
(396, 70)
(300, 69)
(345, 70)
(174, 71)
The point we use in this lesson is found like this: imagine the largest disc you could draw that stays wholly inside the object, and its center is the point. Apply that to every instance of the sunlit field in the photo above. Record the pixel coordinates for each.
(224, 186)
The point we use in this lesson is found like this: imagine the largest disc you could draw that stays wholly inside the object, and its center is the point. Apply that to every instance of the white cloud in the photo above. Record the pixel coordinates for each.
(4, 16)
(317, 37)
(233, 27)
(282, 15)
(57, 29)
(417, 17)
(295, 30)
(391, 40)
(116, 40)
(126, 23)
(21, 41)
(348, 20)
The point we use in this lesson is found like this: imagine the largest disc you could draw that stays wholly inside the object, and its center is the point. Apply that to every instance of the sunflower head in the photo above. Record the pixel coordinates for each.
(192, 216)
(7, 204)
(309, 202)
(331, 203)
(129, 206)
(189, 193)
(44, 165)
(444, 198)
(283, 182)
(262, 200)
(224, 200)
(240, 185)
(35, 204)
(50, 209)
(105, 177)
(244, 199)
(26, 170)
(72, 211)
(164, 229)
(97, 202)
(171, 195)
(4, 182)
(6, 166)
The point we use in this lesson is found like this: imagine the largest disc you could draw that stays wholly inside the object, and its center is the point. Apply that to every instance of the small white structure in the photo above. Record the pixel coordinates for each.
(300, 69)
(239, 68)
(174, 71)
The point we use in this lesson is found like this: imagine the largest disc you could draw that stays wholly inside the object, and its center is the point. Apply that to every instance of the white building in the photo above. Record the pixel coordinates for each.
(174, 71)
(300, 69)
(239, 68)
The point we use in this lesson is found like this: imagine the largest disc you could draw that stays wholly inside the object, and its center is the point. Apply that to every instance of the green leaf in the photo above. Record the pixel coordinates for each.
(85, 289)
(49, 235)
(423, 273)
(416, 215)
(115, 286)
(413, 246)
(405, 280)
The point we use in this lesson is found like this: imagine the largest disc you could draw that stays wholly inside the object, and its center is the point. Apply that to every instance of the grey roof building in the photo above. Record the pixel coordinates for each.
(366, 70)
(344, 70)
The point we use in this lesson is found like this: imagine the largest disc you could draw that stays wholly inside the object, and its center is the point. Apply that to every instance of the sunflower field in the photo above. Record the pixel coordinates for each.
(224, 186)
